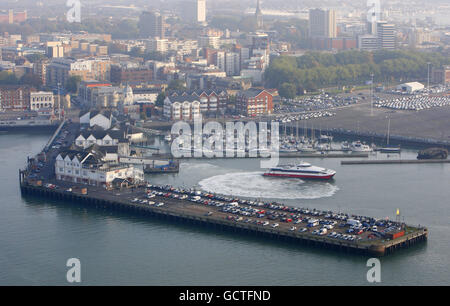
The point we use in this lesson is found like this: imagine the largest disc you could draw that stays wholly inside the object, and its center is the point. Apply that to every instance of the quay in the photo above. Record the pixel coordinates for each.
(280, 154)
(181, 210)
(395, 161)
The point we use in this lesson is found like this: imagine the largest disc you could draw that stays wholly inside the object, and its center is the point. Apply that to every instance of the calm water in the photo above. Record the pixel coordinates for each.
(38, 236)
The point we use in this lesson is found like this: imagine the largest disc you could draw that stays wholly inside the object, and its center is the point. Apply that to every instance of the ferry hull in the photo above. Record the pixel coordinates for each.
(302, 176)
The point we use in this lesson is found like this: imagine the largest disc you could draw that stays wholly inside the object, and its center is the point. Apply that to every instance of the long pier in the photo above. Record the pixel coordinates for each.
(179, 210)
(395, 161)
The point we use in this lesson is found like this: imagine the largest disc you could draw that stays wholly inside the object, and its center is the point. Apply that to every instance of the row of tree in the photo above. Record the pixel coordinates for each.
(32, 80)
(314, 70)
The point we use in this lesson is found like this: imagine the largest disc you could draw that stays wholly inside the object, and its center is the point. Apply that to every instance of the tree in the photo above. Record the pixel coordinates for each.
(160, 99)
(288, 90)
(8, 78)
(72, 83)
(177, 85)
(32, 80)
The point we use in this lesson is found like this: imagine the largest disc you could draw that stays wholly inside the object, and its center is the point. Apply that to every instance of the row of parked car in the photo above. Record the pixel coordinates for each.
(243, 210)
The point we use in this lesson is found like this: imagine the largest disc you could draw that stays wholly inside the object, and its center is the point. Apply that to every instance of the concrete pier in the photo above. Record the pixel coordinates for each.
(178, 210)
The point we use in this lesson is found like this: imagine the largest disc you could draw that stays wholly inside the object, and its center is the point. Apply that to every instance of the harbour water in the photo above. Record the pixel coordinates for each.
(37, 236)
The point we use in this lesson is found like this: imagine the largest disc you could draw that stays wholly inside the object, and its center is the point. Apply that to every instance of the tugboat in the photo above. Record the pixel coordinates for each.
(302, 170)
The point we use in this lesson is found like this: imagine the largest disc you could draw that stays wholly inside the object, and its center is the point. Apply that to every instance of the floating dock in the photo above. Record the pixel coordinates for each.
(395, 161)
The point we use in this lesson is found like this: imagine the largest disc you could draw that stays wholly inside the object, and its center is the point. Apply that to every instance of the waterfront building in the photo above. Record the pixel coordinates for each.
(181, 107)
(41, 100)
(101, 119)
(254, 102)
(91, 167)
(15, 97)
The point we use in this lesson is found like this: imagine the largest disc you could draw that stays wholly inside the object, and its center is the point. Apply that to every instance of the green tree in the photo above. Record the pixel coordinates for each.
(31, 79)
(72, 83)
(160, 99)
(177, 85)
(288, 90)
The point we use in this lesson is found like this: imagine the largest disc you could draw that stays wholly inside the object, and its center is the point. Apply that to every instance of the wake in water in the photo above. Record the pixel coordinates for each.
(255, 185)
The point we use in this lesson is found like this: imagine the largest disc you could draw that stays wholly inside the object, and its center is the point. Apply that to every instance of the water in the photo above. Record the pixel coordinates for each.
(37, 236)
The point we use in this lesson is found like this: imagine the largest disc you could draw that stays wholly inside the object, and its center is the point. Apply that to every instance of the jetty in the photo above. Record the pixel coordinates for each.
(395, 161)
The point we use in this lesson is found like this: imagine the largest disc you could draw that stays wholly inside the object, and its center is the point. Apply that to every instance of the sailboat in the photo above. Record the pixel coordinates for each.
(389, 149)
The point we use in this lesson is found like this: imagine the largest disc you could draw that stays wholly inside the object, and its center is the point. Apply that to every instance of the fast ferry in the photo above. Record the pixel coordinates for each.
(302, 170)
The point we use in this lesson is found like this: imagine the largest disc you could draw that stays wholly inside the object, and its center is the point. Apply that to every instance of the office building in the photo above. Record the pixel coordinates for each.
(386, 35)
(322, 23)
(151, 24)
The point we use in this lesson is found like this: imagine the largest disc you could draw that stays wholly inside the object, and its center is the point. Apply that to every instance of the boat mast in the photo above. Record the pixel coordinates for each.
(389, 130)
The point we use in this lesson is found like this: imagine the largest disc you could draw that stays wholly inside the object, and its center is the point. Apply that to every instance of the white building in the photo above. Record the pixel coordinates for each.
(87, 167)
(410, 87)
(157, 45)
(41, 99)
(386, 35)
(92, 118)
(367, 42)
(99, 137)
(209, 41)
(181, 107)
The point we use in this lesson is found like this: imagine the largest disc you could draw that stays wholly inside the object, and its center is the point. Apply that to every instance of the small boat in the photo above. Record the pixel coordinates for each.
(388, 148)
(358, 146)
(345, 146)
(302, 170)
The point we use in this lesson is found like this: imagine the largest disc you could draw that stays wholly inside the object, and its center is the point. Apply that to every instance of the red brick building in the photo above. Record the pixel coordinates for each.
(12, 17)
(15, 97)
(441, 75)
(138, 75)
(254, 102)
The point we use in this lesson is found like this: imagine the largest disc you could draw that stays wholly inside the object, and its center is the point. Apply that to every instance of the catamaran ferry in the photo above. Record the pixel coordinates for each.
(302, 170)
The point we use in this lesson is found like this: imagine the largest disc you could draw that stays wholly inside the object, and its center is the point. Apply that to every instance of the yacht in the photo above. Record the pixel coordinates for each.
(358, 146)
